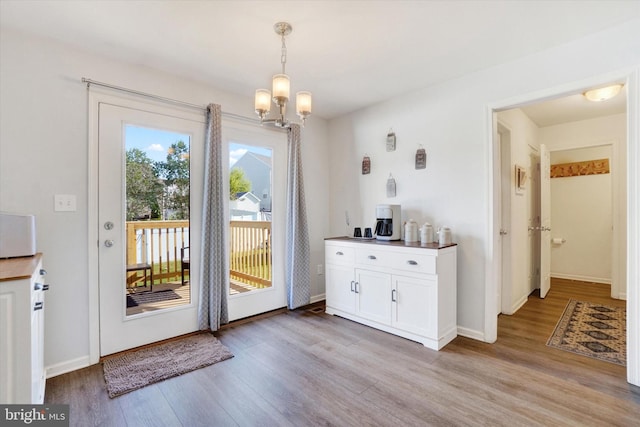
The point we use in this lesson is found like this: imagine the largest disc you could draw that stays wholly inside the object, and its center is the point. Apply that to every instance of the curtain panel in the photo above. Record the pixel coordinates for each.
(214, 272)
(298, 277)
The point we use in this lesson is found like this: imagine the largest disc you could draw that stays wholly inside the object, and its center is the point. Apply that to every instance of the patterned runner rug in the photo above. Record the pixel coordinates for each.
(593, 330)
(132, 370)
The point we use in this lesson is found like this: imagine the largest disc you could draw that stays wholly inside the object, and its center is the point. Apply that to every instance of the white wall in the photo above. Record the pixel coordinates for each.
(450, 121)
(610, 131)
(43, 151)
(581, 214)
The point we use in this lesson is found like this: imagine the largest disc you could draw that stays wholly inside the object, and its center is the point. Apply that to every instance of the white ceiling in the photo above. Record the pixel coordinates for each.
(350, 54)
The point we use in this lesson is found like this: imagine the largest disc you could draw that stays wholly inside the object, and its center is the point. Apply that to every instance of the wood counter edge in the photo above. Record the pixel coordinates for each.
(18, 268)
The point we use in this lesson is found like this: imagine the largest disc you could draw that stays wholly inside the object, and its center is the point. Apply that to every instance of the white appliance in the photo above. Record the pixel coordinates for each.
(388, 226)
(17, 235)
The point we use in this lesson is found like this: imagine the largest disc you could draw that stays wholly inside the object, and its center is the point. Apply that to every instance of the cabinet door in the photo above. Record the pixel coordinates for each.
(415, 306)
(37, 347)
(373, 296)
(340, 285)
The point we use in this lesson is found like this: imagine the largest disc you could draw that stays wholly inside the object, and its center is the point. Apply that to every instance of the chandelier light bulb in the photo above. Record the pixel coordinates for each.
(303, 104)
(263, 101)
(281, 87)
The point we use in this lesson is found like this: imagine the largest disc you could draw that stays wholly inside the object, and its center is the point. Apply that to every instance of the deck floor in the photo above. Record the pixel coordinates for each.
(182, 290)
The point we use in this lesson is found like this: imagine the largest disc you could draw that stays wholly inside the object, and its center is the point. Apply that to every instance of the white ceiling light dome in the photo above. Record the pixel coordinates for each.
(603, 93)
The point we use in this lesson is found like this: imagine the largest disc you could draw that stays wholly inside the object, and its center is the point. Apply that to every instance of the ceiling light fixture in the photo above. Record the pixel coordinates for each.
(280, 86)
(603, 93)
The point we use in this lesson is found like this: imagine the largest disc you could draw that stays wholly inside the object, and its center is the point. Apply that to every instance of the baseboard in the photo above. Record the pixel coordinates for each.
(518, 305)
(471, 333)
(317, 298)
(581, 278)
(68, 366)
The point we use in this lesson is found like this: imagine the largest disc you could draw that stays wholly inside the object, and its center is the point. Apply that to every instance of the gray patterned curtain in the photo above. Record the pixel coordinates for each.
(298, 278)
(214, 274)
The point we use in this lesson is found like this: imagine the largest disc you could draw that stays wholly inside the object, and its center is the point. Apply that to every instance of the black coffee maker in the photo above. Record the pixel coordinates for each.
(388, 223)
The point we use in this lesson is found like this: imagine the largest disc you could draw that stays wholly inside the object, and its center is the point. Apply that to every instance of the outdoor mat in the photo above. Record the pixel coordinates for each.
(593, 330)
(134, 300)
(132, 370)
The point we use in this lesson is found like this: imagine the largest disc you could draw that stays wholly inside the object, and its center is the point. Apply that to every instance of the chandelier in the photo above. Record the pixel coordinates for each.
(280, 89)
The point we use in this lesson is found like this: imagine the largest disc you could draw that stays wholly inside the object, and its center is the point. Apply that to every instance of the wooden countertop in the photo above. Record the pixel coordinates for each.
(18, 268)
(398, 243)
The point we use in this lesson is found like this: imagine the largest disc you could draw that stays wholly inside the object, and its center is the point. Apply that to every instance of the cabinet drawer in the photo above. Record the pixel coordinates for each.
(370, 256)
(343, 255)
(418, 263)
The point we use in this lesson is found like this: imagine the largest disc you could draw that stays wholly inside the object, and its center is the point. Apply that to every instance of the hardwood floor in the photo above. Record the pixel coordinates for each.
(305, 368)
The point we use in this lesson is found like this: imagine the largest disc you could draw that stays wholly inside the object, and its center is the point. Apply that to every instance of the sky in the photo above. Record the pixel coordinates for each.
(156, 142)
(237, 150)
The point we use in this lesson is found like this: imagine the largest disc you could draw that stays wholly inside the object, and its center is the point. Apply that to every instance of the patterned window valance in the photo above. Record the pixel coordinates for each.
(589, 167)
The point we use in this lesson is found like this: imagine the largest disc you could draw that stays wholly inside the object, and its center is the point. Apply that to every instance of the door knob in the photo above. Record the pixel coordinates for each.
(503, 232)
(108, 243)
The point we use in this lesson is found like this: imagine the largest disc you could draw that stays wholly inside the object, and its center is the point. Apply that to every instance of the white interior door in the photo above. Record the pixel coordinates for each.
(264, 205)
(545, 221)
(504, 292)
(118, 329)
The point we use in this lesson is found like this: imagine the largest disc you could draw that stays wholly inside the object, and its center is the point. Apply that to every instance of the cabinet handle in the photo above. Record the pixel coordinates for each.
(38, 306)
(352, 286)
(393, 295)
(339, 253)
(372, 257)
(43, 272)
(40, 287)
(357, 291)
(412, 262)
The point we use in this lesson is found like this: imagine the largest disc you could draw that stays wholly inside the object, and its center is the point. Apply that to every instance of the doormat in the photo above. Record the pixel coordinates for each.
(593, 330)
(133, 370)
(134, 300)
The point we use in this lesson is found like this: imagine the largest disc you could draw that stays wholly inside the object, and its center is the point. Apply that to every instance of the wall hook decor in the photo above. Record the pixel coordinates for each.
(366, 165)
(391, 186)
(391, 140)
(421, 158)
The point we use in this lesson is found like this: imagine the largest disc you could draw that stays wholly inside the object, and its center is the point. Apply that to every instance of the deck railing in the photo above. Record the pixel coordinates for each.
(250, 250)
(159, 244)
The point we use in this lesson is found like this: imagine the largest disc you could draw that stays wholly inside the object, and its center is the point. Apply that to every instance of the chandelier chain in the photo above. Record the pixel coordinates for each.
(283, 57)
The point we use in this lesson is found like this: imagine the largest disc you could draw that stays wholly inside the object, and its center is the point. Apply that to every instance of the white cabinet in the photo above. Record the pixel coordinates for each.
(415, 301)
(373, 291)
(22, 376)
(407, 290)
(340, 284)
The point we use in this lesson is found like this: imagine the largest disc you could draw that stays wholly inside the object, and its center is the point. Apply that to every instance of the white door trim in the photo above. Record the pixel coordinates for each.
(492, 275)
(95, 96)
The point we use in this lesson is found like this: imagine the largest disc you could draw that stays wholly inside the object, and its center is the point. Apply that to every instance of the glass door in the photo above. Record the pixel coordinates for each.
(257, 182)
(146, 214)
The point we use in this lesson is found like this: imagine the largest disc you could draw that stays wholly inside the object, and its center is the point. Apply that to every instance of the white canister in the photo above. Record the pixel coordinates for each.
(426, 234)
(411, 231)
(444, 236)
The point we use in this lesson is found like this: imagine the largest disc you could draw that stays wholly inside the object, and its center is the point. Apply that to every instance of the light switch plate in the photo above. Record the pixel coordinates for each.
(64, 203)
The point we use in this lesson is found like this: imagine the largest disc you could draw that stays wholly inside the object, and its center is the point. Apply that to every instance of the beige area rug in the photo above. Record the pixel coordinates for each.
(593, 330)
(133, 370)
